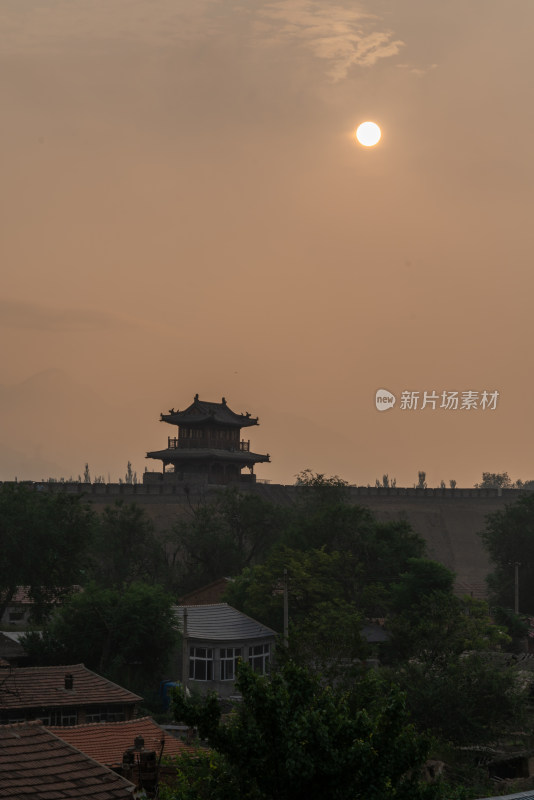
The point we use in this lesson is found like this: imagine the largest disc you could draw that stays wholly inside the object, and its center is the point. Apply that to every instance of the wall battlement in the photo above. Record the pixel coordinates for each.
(167, 488)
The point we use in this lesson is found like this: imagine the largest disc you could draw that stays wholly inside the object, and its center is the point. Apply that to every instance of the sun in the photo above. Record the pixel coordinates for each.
(368, 134)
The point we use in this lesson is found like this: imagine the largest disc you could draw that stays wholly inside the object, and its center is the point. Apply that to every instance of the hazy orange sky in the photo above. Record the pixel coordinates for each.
(184, 209)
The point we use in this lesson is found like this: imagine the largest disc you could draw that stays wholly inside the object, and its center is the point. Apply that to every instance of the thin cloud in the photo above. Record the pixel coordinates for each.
(50, 25)
(342, 36)
(31, 316)
(417, 70)
(345, 37)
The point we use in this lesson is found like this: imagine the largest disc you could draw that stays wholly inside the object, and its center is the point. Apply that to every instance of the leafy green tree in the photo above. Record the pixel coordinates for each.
(126, 549)
(44, 538)
(431, 624)
(223, 537)
(316, 489)
(328, 640)
(204, 775)
(509, 539)
(495, 480)
(293, 738)
(422, 578)
(126, 634)
(463, 701)
(441, 647)
(313, 577)
(324, 517)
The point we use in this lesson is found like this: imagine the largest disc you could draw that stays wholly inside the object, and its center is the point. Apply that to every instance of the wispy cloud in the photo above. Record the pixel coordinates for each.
(31, 316)
(344, 37)
(413, 70)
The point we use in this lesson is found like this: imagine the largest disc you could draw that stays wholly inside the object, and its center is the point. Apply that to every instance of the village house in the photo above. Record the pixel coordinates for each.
(214, 638)
(62, 695)
(19, 609)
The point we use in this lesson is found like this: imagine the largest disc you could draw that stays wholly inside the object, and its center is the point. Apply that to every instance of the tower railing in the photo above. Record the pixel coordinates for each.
(208, 442)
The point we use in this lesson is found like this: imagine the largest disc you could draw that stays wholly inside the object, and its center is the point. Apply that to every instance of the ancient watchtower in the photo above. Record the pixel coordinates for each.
(208, 447)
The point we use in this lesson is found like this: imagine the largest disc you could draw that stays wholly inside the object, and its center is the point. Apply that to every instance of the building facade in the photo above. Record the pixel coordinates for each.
(214, 639)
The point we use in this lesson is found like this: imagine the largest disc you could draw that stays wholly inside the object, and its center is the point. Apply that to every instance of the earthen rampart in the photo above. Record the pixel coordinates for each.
(448, 519)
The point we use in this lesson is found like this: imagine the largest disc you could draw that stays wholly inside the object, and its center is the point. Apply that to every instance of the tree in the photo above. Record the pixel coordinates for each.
(325, 518)
(464, 701)
(313, 578)
(293, 738)
(431, 624)
(125, 634)
(501, 480)
(509, 540)
(44, 539)
(126, 549)
(441, 645)
(495, 480)
(223, 537)
(421, 480)
(316, 489)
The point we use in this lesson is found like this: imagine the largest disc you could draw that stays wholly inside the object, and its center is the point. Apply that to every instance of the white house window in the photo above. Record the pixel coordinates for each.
(60, 716)
(258, 657)
(105, 714)
(229, 658)
(201, 663)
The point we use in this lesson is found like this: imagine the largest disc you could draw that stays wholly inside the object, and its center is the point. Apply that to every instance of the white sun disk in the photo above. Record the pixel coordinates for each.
(368, 134)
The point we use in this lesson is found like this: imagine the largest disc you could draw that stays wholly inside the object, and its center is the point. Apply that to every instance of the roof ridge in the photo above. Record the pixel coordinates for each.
(36, 723)
(103, 725)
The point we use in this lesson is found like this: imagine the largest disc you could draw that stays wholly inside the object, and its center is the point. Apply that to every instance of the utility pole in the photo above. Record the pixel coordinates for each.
(185, 654)
(516, 586)
(286, 612)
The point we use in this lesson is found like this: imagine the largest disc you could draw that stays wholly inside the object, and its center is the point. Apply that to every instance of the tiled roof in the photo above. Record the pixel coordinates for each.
(202, 453)
(521, 796)
(203, 411)
(220, 622)
(36, 765)
(107, 741)
(39, 687)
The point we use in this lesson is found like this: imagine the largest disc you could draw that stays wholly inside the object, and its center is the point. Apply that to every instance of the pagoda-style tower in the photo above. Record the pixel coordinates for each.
(208, 447)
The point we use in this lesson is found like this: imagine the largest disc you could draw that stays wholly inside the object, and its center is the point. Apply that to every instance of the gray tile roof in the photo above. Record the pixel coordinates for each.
(521, 796)
(220, 622)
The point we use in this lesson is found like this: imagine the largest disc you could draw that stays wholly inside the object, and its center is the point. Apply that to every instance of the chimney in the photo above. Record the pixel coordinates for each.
(69, 681)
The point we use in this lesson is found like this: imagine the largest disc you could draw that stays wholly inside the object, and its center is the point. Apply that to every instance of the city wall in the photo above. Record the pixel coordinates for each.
(448, 519)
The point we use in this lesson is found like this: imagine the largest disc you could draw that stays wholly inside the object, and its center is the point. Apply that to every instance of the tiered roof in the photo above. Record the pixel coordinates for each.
(201, 411)
(36, 764)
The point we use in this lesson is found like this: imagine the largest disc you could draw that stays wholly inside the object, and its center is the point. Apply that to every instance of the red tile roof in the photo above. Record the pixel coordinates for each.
(40, 687)
(107, 741)
(38, 765)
